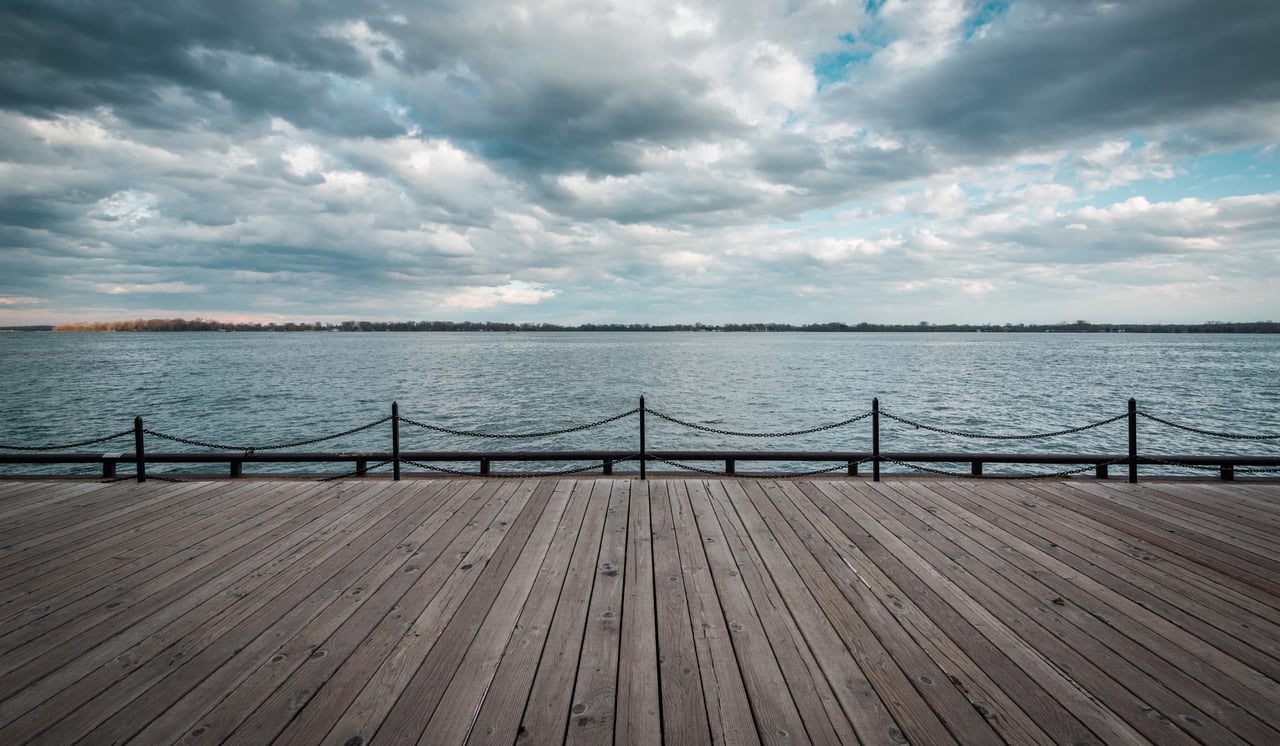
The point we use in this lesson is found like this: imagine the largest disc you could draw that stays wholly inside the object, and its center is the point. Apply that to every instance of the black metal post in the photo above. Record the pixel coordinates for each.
(644, 456)
(138, 449)
(875, 439)
(1133, 441)
(395, 441)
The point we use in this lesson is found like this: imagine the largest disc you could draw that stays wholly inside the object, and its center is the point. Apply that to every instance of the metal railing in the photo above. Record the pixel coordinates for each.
(847, 461)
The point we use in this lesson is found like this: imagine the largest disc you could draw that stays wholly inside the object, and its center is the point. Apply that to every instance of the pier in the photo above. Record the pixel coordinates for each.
(668, 610)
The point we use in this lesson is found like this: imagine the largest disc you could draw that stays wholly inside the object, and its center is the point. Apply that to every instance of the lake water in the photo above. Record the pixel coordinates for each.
(265, 388)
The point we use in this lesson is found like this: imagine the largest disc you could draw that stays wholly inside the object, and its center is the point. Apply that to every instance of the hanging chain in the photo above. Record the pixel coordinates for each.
(516, 475)
(771, 475)
(1032, 436)
(1210, 433)
(65, 446)
(251, 449)
(717, 431)
(544, 434)
(962, 475)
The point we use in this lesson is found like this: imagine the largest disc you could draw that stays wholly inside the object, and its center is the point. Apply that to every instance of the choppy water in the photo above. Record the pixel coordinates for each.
(265, 388)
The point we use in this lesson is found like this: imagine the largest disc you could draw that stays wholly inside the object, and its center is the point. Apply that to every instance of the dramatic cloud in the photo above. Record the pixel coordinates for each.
(643, 161)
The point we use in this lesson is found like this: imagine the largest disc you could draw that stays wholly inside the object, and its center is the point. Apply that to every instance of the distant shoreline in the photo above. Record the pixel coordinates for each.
(204, 325)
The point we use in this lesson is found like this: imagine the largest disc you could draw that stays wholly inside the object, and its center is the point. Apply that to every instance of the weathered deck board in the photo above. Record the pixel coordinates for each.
(669, 610)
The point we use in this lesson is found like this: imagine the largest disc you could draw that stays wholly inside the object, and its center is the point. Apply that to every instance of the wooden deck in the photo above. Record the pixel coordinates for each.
(676, 611)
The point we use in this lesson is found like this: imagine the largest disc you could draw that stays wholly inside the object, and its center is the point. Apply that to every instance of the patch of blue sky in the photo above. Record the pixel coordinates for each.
(986, 14)
(834, 67)
(1250, 171)
(1209, 177)
(837, 223)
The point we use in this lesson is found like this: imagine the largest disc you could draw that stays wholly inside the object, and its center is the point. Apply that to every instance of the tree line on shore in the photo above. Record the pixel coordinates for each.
(206, 325)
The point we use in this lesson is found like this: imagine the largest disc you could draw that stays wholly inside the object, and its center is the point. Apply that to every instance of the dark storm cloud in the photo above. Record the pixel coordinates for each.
(585, 125)
(263, 58)
(1056, 72)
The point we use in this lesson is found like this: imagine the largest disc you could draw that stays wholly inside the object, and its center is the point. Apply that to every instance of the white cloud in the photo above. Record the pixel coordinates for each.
(515, 292)
(154, 287)
(580, 161)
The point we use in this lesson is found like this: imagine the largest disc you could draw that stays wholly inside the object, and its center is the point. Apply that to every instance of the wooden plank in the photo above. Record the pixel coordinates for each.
(1194, 519)
(1246, 568)
(455, 713)
(1231, 685)
(728, 708)
(356, 654)
(229, 649)
(105, 512)
(250, 617)
(79, 531)
(1109, 709)
(43, 502)
(144, 640)
(770, 694)
(1006, 679)
(684, 710)
(1232, 621)
(639, 720)
(498, 720)
(1204, 502)
(407, 721)
(89, 573)
(817, 704)
(372, 710)
(546, 714)
(262, 704)
(859, 700)
(926, 707)
(457, 710)
(76, 510)
(595, 690)
(109, 629)
(1033, 581)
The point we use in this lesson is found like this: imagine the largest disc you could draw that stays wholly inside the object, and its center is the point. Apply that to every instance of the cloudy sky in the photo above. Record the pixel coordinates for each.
(640, 161)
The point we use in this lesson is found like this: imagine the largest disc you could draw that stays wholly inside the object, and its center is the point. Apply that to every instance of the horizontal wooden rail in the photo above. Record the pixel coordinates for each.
(732, 460)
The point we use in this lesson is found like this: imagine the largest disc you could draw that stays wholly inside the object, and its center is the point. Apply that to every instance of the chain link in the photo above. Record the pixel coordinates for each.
(1032, 436)
(1256, 470)
(1206, 467)
(251, 449)
(1210, 433)
(717, 431)
(544, 434)
(778, 475)
(65, 446)
(962, 475)
(515, 475)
